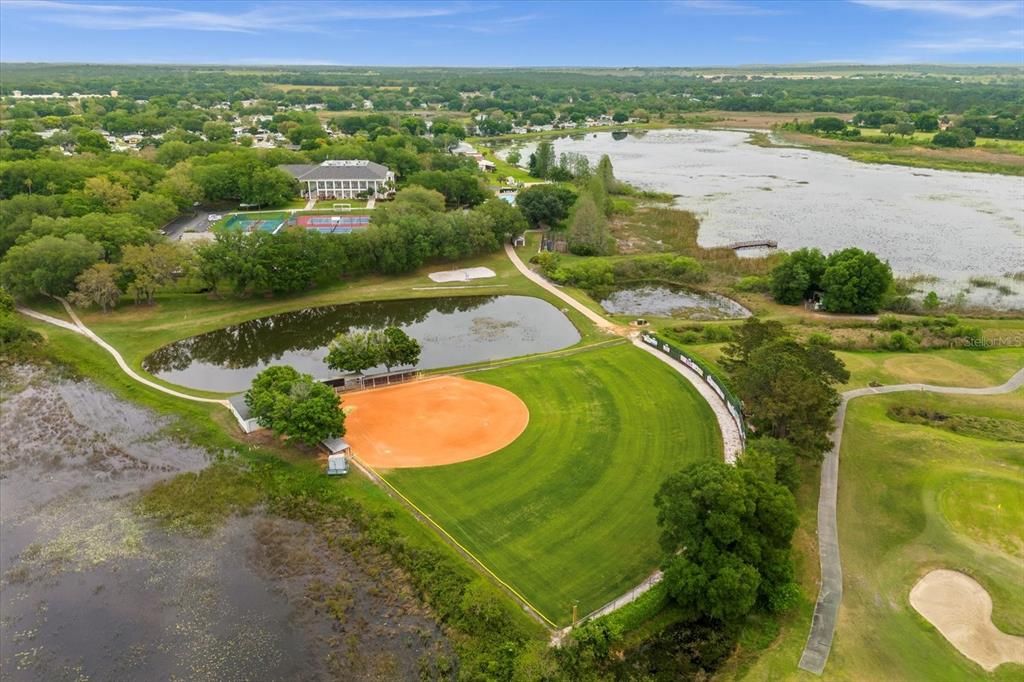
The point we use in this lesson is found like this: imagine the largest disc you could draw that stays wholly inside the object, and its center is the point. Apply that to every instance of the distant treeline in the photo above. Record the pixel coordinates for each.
(526, 91)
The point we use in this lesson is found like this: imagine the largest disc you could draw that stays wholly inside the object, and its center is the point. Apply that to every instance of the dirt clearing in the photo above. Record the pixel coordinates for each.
(432, 422)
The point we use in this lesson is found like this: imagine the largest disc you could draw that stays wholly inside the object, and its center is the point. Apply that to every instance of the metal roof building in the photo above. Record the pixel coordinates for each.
(348, 179)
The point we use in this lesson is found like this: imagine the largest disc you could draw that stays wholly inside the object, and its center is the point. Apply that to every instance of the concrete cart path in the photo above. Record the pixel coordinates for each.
(537, 279)
(79, 327)
(826, 610)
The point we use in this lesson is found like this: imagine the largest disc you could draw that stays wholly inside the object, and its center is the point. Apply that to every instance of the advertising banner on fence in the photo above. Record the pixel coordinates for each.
(683, 358)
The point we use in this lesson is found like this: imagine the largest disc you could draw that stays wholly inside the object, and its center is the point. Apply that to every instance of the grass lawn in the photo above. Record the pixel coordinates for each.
(566, 512)
(908, 493)
(912, 498)
(952, 367)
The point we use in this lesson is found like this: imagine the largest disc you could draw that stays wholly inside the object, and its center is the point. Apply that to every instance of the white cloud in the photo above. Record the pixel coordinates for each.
(500, 25)
(965, 9)
(732, 8)
(968, 44)
(256, 18)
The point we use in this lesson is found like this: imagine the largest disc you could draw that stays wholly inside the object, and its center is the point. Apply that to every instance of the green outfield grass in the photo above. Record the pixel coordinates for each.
(566, 512)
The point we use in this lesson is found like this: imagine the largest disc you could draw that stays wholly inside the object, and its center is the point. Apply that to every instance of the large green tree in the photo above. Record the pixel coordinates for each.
(356, 351)
(399, 349)
(48, 265)
(97, 286)
(545, 204)
(797, 277)
(788, 390)
(854, 281)
(588, 233)
(152, 267)
(726, 533)
(295, 405)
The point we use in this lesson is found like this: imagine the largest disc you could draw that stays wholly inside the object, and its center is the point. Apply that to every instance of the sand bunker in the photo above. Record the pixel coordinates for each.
(461, 275)
(961, 609)
(436, 421)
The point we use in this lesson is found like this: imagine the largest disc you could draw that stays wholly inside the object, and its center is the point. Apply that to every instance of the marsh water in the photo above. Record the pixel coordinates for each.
(947, 225)
(91, 590)
(452, 331)
(664, 300)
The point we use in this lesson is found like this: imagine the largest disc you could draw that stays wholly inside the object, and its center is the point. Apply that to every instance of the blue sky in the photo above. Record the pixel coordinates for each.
(524, 33)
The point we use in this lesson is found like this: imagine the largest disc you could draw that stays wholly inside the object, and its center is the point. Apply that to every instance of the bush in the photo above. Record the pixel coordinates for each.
(759, 283)
(822, 339)
(900, 341)
(889, 323)
(717, 333)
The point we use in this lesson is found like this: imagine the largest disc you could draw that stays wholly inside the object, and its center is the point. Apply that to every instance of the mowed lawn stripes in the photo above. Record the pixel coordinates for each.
(566, 513)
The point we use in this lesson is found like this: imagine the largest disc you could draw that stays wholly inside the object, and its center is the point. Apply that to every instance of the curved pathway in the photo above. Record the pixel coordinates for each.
(826, 610)
(732, 441)
(79, 327)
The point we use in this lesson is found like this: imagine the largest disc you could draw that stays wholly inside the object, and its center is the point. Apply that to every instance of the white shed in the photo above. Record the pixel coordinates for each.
(338, 450)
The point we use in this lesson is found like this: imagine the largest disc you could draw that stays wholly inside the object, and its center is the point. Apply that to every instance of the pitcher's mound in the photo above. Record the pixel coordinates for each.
(431, 422)
(961, 609)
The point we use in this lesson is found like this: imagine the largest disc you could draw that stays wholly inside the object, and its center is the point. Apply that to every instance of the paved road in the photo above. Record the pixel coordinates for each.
(193, 222)
(826, 610)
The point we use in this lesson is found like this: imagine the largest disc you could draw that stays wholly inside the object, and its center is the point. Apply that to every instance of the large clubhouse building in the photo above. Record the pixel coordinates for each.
(342, 179)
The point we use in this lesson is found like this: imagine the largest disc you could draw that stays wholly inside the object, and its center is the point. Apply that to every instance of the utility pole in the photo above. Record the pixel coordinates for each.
(575, 605)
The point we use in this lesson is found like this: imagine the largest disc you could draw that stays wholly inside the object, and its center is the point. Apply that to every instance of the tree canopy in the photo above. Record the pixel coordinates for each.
(295, 405)
(359, 350)
(726, 533)
(788, 389)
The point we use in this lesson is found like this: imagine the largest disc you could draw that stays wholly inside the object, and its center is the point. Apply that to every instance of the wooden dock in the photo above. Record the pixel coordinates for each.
(753, 244)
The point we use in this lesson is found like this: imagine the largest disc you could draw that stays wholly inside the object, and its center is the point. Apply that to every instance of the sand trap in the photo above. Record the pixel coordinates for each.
(431, 422)
(461, 275)
(961, 609)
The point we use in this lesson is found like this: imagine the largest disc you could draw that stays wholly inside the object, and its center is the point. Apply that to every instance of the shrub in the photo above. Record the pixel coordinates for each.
(717, 333)
(900, 341)
(689, 337)
(760, 283)
(822, 339)
(889, 323)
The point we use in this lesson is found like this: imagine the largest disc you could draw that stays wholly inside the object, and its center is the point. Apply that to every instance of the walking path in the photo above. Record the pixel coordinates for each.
(826, 610)
(732, 441)
(537, 279)
(79, 327)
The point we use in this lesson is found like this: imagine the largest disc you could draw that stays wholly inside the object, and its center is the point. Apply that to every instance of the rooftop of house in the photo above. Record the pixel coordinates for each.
(338, 170)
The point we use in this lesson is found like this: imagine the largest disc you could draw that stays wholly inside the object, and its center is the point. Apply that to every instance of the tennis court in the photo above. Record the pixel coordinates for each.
(333, 224)
(250, 224)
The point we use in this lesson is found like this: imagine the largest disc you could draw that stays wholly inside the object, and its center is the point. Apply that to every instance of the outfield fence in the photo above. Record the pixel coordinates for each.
(698, 367)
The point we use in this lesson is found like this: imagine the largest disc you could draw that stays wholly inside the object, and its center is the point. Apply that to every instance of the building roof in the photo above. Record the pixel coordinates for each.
(335, 445)
(238, 402)
(338, 170)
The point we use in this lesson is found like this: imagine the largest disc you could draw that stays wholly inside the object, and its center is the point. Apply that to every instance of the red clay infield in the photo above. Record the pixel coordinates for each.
(431, 422)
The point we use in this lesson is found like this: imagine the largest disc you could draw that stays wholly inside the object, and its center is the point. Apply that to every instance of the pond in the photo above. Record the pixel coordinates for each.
(948, 225)
(663, 300)
(452, 331)
(90, 589)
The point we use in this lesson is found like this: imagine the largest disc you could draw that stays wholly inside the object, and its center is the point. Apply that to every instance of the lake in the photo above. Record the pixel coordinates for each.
(948, 225)
(452, 331)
